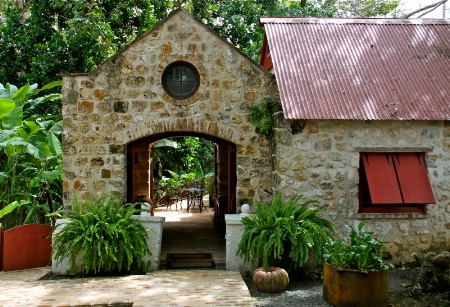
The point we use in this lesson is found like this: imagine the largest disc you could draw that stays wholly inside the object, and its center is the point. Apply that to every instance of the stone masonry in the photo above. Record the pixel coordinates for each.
(123, 101)
(321, 161)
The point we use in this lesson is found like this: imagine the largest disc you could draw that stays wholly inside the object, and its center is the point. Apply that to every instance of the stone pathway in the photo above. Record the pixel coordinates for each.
(159, 288)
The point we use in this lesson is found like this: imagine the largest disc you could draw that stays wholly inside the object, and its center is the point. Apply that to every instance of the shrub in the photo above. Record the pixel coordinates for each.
(278, 229)
(360, 251)
(105, 237)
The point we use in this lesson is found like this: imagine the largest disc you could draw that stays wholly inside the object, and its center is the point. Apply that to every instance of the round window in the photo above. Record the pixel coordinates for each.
(180, 80)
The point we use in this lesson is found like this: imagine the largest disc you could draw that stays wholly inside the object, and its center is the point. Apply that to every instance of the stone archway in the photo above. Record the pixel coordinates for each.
(140, 177)
(122, 101)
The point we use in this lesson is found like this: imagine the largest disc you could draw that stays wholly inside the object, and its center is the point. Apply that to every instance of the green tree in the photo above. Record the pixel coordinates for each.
(365, 8)
(191, 155)
(49, 37)
(43, 38)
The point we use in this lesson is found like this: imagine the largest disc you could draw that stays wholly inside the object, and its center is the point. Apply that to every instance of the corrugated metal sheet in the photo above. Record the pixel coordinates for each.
(365, 69)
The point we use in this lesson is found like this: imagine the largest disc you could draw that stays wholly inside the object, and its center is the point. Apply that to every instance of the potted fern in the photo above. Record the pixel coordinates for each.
(282, 233)
(101, 237)
(355, 272)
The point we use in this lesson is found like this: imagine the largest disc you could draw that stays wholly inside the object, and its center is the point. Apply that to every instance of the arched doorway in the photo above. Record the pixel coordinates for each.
(187, 231)
(118, 109)
(140, 175)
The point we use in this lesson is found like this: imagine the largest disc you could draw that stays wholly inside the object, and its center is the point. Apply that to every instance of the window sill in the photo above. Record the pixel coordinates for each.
(409, 215)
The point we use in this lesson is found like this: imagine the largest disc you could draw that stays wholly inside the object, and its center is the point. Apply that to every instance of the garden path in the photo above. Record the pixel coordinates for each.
(191, 232)
(160, 288)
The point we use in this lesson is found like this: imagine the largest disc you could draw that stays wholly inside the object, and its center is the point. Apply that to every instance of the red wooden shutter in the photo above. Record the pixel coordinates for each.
(413, 178)
(381, 178)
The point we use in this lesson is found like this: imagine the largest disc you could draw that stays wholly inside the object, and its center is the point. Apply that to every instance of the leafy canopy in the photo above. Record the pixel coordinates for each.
(47, 37)
(183, 155)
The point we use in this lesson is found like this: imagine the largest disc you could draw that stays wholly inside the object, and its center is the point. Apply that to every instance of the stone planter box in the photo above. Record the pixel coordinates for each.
(154, 241)
(154, 223)
(234, 232)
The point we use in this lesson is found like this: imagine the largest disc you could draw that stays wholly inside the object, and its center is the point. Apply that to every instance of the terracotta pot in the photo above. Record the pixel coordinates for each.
(274, 280)
(343, 287)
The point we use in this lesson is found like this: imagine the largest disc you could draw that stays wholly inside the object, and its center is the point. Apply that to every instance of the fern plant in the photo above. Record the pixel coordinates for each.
(105, 237)
(279, 228)
(261, 116)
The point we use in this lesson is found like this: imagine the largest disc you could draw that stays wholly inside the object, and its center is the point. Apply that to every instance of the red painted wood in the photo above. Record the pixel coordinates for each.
(382, 180)
(394, 209)
(27, 247)
(413, 178)
(266, 58)
(1, 247)
(231, 178)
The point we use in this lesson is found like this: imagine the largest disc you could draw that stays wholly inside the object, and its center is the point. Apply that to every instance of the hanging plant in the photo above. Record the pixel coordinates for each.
(261, 116)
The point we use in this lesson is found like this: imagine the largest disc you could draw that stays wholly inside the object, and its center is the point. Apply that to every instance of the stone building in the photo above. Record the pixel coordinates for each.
(113, 114)
(365, 125)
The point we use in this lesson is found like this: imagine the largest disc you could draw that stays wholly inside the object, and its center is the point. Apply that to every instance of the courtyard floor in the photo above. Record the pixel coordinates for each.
(160, 288)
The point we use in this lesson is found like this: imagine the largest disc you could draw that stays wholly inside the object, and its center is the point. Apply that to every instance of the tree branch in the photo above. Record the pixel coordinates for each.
(431, 6)
(430, 10)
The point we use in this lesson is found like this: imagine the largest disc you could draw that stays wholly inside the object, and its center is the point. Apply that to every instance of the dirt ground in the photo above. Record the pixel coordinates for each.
(309, 293)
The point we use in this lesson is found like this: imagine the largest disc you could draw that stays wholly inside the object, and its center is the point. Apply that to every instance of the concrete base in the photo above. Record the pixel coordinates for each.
(63, 267)
(234, 232)
(152, 223)
(154, 240)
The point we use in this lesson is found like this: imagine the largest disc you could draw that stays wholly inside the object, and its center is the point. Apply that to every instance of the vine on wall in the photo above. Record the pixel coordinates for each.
(261, 116)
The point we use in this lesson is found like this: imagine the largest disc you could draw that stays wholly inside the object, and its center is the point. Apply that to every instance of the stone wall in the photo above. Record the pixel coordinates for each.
(123, 101)
(321, 160)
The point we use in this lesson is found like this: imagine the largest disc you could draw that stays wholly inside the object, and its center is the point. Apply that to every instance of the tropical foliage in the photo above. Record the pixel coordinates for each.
(261, 116)
(30, 156)
(43, 38)
(190, 155)
(365, 8)
(47, 37)
(101, 237)
(362, 250)
(291, 229)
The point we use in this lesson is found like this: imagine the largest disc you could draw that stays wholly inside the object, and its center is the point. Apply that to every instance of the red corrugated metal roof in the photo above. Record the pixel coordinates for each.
(374, 69)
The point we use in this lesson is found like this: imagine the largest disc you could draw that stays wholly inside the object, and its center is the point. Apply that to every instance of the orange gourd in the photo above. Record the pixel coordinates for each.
(274, 280)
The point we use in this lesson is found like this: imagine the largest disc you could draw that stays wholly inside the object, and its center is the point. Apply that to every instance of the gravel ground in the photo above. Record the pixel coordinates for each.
(309, 293)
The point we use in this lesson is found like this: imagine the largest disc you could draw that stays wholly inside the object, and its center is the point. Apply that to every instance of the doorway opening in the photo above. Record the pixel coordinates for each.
(192, 192)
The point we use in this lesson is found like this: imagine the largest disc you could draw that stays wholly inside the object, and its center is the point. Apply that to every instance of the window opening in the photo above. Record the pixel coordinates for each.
(394, 183)
(181, 80)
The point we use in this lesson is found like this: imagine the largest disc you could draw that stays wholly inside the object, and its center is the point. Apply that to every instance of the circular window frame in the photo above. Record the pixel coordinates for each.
(196, 80)
(171, 59)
